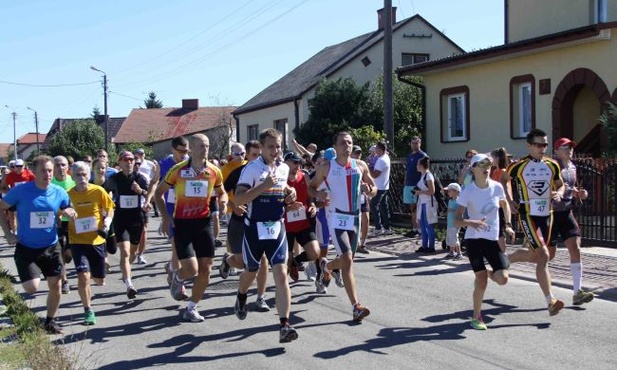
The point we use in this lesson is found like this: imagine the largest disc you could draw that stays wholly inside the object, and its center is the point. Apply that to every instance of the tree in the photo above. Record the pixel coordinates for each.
(96, 112)
(222, 133)
(337, 106)
(80, 138)
(342, 105)
(152, 101)
(609, 121)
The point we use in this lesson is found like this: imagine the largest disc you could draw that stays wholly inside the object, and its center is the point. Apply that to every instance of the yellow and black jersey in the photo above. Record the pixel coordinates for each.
(532, 183)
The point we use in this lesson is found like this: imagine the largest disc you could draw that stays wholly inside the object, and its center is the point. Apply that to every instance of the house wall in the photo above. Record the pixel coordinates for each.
(436, 46)
(489, 101)
(532, 18)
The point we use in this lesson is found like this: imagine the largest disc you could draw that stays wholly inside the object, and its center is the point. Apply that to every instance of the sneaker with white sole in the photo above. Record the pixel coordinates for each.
(360, 312)
(320, 288)
(310, 271)
(131, 292)
(192, 315)
(387, 232)
(375, 233)
(555, 306)
(287, 334)
(141, 260)
(338, 278)
(261, 305)
(177, 289)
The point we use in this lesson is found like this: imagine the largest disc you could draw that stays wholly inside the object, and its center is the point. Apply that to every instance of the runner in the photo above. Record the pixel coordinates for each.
(536, 181)
(299, 219)
(263, 188)
(481, 199)
(128, 189)
(63, 180)
(564, 223)
(87, 234)
(179, 150)
(151, 172)
(194, 181)
(235, 231)
(37, 250)
(345, 179)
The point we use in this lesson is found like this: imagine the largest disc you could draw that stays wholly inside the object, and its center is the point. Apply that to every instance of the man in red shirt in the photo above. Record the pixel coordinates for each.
(18, 175)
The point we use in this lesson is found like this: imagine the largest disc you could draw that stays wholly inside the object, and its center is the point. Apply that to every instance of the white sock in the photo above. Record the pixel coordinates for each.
(260, 296)
(549, 298)
(128, 282)
(191, 305)
(577, 276)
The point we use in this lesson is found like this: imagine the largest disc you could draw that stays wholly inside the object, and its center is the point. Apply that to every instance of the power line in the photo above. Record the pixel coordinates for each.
(126, 96)
(49, 85)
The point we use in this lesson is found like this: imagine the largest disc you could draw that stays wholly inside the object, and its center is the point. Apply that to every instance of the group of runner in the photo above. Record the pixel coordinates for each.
(274, 208)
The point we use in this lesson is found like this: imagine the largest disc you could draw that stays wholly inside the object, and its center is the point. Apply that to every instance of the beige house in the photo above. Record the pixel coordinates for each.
(555, 72)
(284, 104)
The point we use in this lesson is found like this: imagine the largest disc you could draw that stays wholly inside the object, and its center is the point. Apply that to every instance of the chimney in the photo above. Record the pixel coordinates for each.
(190, 104)
(381, 18)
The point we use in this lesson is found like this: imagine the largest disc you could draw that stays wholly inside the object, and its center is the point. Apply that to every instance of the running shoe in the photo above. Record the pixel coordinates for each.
(107, 267)
(387, 232)
(582, 297)
(301, 266)
(360, 312)
(478, 324)
(411, 234)
(192, 315)
(224, 267)
(555, 306)
(218, 243)
(449, 256)
(310, 271)
(320, 288)
(338, 278)
(293, 270)
(131, 292)
(362, 249)
(52, 327)
(458, 257)
(261, 305)
(375, 233)
(66, 289)
(325, 274)
(177, 289)
(89, 318)
(240, 310)
(287, 334)
(141, 260)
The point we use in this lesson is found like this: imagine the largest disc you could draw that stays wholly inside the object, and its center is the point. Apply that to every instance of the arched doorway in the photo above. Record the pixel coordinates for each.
(579, 100)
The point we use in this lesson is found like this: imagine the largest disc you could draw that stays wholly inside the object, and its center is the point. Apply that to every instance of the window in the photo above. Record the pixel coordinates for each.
(522, 106)
(454, 104)
(411, 58)
(366, 61)
(281, 126)
(252, 132)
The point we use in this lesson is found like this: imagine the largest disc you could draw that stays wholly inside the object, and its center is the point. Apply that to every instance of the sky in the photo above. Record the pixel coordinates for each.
(220, 52)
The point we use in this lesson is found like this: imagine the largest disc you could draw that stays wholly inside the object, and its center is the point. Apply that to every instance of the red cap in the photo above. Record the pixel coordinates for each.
(563, 141)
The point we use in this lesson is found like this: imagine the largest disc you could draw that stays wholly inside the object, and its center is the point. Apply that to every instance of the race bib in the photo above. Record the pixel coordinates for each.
(268, 230)
(196, 189)
(41, 220)
(539, 207)
(85, 224)
(343, 222)
(171, 196)
(296, 215)
(128, 201)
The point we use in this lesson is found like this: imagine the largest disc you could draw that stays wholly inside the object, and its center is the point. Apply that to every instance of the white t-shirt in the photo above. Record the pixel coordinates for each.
(383, 180)
(483, 204)
(147, 169)
(422, 185)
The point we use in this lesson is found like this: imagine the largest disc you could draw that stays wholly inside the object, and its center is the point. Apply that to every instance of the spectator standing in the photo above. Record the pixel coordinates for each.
(412, 176)
(379, 203)
(427, 206)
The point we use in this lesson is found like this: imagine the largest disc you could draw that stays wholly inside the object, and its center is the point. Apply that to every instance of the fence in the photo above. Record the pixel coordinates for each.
(596, 216)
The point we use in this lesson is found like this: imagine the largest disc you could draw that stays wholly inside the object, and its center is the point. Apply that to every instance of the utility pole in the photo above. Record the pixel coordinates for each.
(36, 125)
(14, 133)
(388, 104)
(104, 107)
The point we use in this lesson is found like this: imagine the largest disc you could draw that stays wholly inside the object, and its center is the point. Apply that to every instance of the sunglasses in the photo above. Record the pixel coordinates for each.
(483, 164)
(540, 145)
(19, 166)
(137, 163)
(128, 159)
(238, 153)
(181, 150)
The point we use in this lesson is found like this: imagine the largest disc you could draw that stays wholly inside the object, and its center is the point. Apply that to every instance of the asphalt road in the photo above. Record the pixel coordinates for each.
(420, 319)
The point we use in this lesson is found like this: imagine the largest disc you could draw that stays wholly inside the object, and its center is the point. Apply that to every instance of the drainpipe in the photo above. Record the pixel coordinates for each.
(296, 114)
(237, 128)
(423, 92)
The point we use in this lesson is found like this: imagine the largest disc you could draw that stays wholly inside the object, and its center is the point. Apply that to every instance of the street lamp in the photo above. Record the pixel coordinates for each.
(14, 133)
(104, 107)
(36, 125)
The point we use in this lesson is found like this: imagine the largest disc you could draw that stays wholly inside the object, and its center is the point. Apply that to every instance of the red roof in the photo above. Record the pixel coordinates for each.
(30, 138)
(157, 124)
